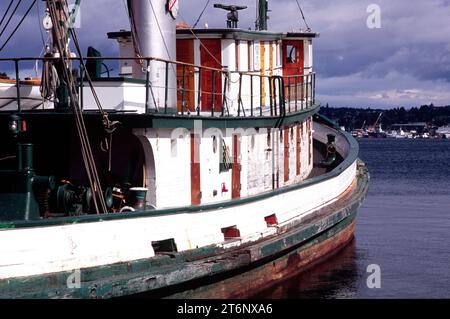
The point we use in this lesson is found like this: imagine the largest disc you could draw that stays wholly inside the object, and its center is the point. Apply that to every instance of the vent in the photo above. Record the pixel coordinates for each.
(271, 220)
(231, 232)
(164, 246)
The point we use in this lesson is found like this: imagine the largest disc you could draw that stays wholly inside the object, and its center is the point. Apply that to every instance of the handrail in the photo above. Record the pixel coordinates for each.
(287, 93)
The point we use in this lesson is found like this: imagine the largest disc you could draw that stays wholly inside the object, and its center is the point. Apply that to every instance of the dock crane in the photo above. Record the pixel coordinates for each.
(373, 128)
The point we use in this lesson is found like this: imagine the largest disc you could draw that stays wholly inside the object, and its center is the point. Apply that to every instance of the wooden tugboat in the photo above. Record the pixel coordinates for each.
(203, 170)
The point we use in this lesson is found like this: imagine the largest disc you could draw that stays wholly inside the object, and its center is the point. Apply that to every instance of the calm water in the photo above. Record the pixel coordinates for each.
(403, 226)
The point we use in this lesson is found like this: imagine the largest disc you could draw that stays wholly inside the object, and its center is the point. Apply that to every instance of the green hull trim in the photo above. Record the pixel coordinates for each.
(174, 271)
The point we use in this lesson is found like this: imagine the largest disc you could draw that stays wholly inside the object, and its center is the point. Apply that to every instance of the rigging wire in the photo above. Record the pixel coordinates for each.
(10, 17)
(6, 12)
(86, 150)
(201, 14)
(202, 45)
(303, 16)
(18, 26)
(38, 9)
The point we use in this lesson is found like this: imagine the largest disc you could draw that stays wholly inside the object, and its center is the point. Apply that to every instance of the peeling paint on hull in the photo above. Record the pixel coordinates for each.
(211, 272)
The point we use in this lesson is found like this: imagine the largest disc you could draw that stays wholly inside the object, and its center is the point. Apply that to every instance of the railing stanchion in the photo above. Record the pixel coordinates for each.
(224, 97)
(251, 95)
(289, 90)
(183, 90)
(213, 91)
(81, 84)
(296, 93)
(166, 89)
(199, 102)
(271, 99)
(314, 88)
(260, 95)
(147, 85)
(274, 92)
(307, 90)
(16, 65)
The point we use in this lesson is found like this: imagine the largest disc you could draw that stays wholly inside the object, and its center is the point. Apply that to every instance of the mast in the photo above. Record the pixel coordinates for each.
(153, 25)
(263, 9)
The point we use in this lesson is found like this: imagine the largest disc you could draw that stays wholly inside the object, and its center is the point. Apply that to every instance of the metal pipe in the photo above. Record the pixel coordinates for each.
(199, 90)
(251, 95)
(261, 97)
(307, 91)
(289, 91)
(16, 65)
(81, 85)
(296, 93)
(166, 88)
(183, 90)
(213, 90)
(147, 84)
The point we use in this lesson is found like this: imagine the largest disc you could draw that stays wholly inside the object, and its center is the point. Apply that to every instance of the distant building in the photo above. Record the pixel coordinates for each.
(419, 127)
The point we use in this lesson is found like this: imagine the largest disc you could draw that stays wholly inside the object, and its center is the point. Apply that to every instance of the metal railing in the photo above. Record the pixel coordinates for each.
(250, 93)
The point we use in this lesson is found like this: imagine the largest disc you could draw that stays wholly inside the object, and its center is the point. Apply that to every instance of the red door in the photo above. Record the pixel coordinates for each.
(211, 56)
(293, 64)
(286, 154)
(236, 173)
(185, 53)
(196, 195)
(293, 57)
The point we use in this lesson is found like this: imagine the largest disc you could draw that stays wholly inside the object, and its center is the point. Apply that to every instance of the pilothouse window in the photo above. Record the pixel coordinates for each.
(291, 54)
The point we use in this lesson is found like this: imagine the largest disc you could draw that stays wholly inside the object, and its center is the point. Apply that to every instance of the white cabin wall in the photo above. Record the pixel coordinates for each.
(172, 168)
(211, 177)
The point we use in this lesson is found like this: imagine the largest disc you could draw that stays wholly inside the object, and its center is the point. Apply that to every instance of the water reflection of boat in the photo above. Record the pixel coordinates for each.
(336, 277)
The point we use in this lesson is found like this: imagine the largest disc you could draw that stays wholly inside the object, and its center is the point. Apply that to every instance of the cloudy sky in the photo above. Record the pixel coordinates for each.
(406, 62)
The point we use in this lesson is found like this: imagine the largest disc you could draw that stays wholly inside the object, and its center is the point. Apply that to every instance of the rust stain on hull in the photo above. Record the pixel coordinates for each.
(249, 283)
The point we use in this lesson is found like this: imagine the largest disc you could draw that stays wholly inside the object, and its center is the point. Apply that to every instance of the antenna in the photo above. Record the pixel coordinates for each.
(233, 15)
(263, 9)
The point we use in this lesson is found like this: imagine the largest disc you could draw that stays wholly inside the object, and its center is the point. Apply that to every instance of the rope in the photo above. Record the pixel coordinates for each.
(18, 26)
(39, 24)
(303, 16)
(6, 13)
(201, 14)
(86, 150)
(10, 17)
(204, 47)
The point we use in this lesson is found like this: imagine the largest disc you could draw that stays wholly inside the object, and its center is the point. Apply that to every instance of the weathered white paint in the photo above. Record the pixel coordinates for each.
(64, 248)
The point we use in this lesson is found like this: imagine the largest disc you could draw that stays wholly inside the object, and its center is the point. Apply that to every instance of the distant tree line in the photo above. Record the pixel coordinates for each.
(353, 118)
